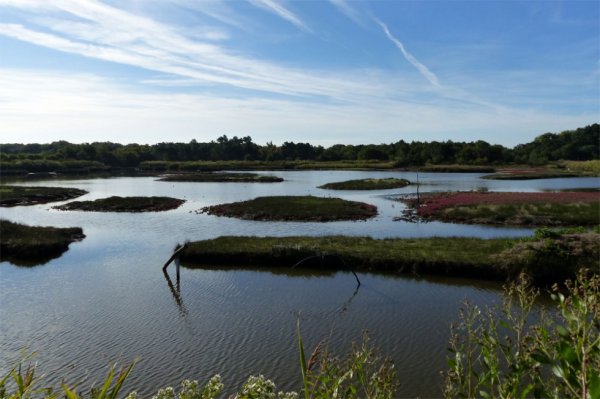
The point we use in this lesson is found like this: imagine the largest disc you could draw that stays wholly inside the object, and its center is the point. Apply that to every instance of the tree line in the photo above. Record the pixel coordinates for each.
(579, 144)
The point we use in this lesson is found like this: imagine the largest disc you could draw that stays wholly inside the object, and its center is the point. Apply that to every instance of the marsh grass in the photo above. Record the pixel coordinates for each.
(124, 204)
(367, 184)
(585, 168)
(457, 168)
(494, 259)
(533, 214)
(229, 177)
(23, 195)
(33, 245)
(295, 208)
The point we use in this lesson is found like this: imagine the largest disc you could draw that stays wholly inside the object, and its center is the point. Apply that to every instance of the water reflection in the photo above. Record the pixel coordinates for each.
(176, 289)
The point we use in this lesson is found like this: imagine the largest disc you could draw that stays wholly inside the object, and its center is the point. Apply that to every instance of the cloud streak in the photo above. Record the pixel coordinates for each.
(278, 9)
(423, 70)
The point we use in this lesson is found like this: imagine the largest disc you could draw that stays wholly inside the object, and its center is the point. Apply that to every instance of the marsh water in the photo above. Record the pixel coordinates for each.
(106, 299)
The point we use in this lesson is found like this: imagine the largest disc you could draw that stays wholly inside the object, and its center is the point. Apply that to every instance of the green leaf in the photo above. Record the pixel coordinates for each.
(541, 357)
(70, 394)
(558, 371)
(303, 367)
(562, 331)
(595, 384)
(107, 383)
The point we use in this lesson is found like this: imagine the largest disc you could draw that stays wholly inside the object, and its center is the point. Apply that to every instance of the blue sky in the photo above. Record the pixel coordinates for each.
(322, 71)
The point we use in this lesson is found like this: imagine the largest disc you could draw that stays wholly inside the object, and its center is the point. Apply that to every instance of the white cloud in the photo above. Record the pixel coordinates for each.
(423, 70)
(85, 107)
(277, 8)
(349, 11)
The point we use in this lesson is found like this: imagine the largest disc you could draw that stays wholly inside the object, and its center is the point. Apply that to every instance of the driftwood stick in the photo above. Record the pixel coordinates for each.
(172, 258)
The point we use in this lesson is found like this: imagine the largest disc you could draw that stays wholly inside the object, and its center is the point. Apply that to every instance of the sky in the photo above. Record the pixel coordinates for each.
(318, 71)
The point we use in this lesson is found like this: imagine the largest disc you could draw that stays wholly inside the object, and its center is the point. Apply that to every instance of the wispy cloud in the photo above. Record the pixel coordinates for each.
(423, 70)
(277, 8)
(97, 30)
(349, 11)
(67, 104)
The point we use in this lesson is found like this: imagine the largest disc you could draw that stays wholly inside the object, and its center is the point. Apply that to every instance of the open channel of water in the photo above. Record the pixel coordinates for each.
(107, 299)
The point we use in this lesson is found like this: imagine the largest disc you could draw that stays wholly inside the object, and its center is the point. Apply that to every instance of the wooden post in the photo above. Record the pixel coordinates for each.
(172, 258)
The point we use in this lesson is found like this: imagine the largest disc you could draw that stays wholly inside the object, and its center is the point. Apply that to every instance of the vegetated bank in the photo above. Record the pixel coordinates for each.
(367, 184)
(294, 208)
(548, 257)
(23, 195)
(508, 208)
(124, 204)
(33, 245)
(530, 173)
(223, 177)
(554, 170)
(456, 168)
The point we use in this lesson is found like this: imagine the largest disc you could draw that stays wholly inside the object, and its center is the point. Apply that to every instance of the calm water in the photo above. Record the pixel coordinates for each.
(106, 298)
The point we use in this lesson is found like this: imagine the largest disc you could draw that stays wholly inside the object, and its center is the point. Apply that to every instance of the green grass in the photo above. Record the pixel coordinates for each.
(533, 214)
(367, 184)
(22, 195)
(203, 177)
(529, 176)
(31, 245)
(465, 257)
(585, 168)
(457, 169)
(124, 204)
(295, 208)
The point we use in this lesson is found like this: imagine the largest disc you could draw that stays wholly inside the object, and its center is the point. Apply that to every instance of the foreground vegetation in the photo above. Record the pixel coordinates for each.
(295, 208)
(22, 195)
(568, 208)
(548, 257)
(241, 153)
(33, 245)
(512, 352)
(208, 177)
(504, 352)
(124, 204)
(367, 184)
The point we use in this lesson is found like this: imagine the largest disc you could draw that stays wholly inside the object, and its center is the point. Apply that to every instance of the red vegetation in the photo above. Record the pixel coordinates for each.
(430, 204)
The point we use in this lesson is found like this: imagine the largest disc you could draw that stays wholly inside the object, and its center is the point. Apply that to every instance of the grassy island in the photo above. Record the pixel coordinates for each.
(22, 195)
(294, 208)
(229, 177)
(568, 208)
(33, 245)
(124, 204)
(531, 173)
(367, 184)
(457, 168)
(546, 257)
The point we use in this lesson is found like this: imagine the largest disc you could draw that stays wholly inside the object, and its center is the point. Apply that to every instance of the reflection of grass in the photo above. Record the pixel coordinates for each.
(367, 184)
(22, 244)
(529, 176)
(222, 177)
(124, 204)
(467, 257)
(457, 168)
(21, 195)
(299, 208)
